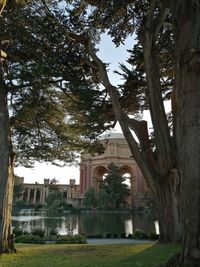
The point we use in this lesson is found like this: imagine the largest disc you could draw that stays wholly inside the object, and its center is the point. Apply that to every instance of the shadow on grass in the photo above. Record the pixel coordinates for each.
(152, 256)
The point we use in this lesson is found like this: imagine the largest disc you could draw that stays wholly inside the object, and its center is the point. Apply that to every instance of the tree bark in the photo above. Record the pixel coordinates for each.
(168, 211)
(187, 132)
(6, 175)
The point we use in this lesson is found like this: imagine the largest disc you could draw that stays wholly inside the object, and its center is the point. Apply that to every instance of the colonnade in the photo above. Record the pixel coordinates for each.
(37, 193)
(34, 195)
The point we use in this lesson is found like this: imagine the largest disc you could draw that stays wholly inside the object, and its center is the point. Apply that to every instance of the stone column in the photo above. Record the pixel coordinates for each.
(81, 180)
(34, 197)
(85, 179)
(41, 193)
(88, 175)
(43, 196)
(28, 196)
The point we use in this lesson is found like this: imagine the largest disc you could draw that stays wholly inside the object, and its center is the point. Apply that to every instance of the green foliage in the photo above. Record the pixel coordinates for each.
(90, 198)
(113, 192)
(139, 234)
(72, 239)
(20, 204)
(105, 200)
(38, 232)
(53, 101)
(29, 239)
(38, 207)
(154, 236)
(54, 198)
(17, 231)
(52, 185)
(17, 191)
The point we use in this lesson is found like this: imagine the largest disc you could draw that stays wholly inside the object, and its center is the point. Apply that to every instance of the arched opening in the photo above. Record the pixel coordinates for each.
(99, 174)
(128, 173)
(127, 177)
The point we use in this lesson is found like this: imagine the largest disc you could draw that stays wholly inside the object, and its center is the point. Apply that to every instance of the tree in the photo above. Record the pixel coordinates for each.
(171, 168)
(90, 198)
(52, 197)
(38, 90)
(17, 190)
(114, 188)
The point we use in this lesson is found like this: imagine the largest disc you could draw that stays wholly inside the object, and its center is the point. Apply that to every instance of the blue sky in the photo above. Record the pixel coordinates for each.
(109, 54)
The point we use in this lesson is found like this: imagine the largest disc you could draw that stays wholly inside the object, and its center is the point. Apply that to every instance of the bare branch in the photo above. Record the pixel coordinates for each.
(2, 6)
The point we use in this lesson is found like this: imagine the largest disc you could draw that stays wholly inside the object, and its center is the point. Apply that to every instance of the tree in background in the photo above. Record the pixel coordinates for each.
(114, 188)
(17, 191)
(112, 193)
(90, 198)
(52, 197)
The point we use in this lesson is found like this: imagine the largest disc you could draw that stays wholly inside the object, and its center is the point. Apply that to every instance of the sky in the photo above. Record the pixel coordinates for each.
(109, 54)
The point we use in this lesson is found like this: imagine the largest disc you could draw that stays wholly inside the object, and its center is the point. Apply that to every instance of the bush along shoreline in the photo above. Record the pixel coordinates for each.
(37, 236)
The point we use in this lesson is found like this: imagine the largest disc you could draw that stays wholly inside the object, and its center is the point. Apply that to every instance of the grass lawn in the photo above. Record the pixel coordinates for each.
(126, 255)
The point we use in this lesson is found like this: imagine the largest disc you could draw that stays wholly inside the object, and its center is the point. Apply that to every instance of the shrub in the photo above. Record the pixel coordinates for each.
(98, 236)
(38, 232)
(38, 206)
(20, 203)
(115, 236)
(17, 231)
(123, 235)
(72, 239)
(139, 234)
(67, 205)
(29, 239)
(53, 232)
(153, 236)
(108, 235)
(130, 236)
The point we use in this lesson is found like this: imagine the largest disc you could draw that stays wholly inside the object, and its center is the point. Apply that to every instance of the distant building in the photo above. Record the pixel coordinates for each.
(37, 193)
(93, 168)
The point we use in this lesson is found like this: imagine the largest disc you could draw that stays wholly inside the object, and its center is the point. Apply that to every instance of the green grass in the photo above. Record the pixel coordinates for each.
(126, 255)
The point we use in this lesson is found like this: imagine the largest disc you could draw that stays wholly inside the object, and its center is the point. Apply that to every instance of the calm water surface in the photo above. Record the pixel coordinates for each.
(92, 223)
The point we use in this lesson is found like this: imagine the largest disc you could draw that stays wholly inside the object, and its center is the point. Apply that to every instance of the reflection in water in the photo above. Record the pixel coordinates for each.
(128, 227)
(157, 227)
(87, 223)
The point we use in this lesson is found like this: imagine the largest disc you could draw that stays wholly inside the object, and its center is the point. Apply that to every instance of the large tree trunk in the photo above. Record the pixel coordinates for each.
(165, 201)
(6, 175)
(188, 125)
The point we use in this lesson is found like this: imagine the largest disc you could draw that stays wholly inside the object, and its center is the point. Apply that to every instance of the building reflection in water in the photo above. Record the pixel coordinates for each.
(128, 227)
(88, 224)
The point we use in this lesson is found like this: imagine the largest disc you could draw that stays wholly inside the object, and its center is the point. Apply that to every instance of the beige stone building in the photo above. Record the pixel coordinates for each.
(37, 193)
(93, 168)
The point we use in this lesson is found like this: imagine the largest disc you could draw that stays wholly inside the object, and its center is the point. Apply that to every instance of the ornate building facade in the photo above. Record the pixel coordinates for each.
(37, 193)
(93, 168)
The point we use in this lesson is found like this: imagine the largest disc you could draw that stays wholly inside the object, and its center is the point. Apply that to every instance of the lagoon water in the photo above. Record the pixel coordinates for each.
(88, 223)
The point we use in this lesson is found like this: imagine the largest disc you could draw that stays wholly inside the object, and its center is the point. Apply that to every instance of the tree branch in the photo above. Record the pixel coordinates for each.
(154, 93)
(121, 117)
(112, 90)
